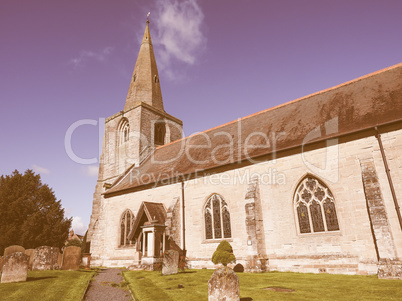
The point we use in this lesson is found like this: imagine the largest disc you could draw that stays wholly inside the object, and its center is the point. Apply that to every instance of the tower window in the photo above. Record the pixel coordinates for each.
(315, 207)
(123, 131)
(160, 132)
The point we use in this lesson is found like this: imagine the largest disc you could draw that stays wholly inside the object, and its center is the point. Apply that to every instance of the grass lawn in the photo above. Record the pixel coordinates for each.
(48, 285)
(147, 286)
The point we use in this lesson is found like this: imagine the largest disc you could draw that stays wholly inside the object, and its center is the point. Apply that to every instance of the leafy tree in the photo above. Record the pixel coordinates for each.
(223, 254)
(30, 215)
(74, 242)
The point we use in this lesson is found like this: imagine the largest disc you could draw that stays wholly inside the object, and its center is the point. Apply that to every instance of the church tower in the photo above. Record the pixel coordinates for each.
(132, 134)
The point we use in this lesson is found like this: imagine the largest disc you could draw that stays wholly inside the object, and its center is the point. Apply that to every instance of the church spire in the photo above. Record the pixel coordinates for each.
(144, 85)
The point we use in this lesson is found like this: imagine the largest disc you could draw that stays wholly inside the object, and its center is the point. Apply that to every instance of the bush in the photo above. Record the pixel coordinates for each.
(223, 254)
(74, 242)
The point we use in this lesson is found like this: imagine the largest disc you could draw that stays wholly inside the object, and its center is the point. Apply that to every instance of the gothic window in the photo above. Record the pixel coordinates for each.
(160, 131)
(315, 207)
(217, 218)
(126, 223)
(123, 131)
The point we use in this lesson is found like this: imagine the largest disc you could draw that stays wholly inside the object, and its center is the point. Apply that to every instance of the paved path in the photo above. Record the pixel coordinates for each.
(105, 286)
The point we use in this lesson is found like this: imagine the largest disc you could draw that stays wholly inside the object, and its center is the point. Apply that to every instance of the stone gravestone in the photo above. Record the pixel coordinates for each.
(45, 258)
(12, 249)
(15, 268)
(30, 253)
(223, 285)
(238, 268)
(71, 258)
(170, 263)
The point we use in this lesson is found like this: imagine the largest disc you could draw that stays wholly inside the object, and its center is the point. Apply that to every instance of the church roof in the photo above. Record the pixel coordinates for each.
(363, 103)
(144, 84)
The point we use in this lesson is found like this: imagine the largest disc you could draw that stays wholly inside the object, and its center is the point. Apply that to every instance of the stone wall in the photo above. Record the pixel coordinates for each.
(350, 250)
(116, 158)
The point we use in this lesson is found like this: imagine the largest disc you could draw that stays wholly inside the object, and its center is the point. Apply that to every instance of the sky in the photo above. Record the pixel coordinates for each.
(68, 62)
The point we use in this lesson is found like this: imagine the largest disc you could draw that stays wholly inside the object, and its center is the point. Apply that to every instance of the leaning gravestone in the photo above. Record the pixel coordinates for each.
(71, 258)
(15, 268)
(170, 263)
(30, 253)
(45, 258)
(223, 285)
(13, 249)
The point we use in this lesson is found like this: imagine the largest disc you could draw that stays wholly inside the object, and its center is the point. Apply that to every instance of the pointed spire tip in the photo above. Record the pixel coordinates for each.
(148, 17)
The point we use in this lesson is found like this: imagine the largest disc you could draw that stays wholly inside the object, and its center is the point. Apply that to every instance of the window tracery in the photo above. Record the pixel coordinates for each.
(217, 218)
(126, 223)
(123, 131)
(315, 207)
(159, 134)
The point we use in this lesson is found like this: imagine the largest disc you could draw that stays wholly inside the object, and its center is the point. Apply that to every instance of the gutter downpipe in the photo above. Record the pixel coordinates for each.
(391, 185)
(183, 216)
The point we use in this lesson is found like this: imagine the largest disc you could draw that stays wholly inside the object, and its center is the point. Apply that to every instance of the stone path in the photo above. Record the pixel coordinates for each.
(105, 286)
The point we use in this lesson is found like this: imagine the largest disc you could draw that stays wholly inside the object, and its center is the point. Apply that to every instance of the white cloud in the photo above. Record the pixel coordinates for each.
(91, 170)
(67, 211)
(86, 55)
(40, 169)
(78, 225)
(178, 31)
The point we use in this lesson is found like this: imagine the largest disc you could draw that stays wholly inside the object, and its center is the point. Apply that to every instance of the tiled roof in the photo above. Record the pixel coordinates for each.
(365, 102)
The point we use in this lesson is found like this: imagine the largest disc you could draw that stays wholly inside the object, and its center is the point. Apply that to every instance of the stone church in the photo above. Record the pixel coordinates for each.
(313, 185)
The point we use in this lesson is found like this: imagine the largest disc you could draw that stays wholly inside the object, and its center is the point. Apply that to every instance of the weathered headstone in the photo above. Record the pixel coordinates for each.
(30, 253)
(45, 258)
(238, 268)
(223, 285)
(13, 249)
(170, 263)
(15, 268)
(71, 258)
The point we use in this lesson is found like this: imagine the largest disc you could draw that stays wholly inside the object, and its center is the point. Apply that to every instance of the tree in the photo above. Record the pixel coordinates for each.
(85, 246)
(30, 215)
(75, 242)
(223, 254)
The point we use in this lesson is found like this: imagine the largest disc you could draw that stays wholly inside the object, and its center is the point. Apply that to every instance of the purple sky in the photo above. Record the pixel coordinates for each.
(67, 60)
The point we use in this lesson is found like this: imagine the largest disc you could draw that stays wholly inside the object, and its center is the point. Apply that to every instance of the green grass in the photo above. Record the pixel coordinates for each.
(48, 285)
(147, 286)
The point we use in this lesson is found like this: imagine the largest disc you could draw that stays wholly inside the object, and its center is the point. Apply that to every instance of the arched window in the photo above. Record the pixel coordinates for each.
(217, 218)
(315, 207)
(123, 131)
(126, 223)
(159, 135)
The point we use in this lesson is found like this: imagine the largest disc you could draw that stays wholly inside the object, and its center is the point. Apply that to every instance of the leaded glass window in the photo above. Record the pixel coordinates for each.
(217, 218)
(208, 225)
(126, 223)
(315, 207)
